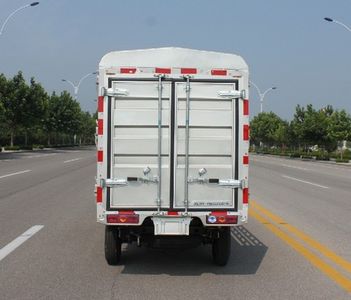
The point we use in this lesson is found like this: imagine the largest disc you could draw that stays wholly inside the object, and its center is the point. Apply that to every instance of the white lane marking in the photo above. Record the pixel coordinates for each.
(70, 151)
(17, 173)
(70, 160)
(308, 182)
(19, 241)
(40, 155)
(294, 167)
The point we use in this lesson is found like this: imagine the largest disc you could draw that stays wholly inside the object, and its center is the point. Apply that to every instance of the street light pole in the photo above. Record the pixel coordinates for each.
(14, 12)
(262, 95)
(337, 22)
(76, 87)
(348, 29)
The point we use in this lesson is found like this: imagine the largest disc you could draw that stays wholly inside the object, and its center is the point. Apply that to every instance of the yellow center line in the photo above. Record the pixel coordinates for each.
(343, 263)
(333, 274)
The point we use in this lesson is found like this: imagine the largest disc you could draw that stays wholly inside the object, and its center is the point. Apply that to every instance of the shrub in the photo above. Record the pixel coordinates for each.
(14, 148)
(321, 155)
(347, 154)
(344, 160)
(306, 156)
(26, 147)
(333, 155)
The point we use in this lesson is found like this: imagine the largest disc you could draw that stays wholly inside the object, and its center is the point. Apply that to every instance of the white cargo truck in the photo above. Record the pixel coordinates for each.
(172, 149)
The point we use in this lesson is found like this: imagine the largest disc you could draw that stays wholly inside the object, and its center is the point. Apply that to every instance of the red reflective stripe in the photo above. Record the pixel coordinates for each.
(101, 104)
(100, 155)
(99, 194)
(128, 70)
(245, 195)
(172, 213)
(245, 159)
(246, 107)
(100, 127)
(218, 213)
(188, 71)
(126, 212)
(219, 72)
(246, 132)
(163, 70)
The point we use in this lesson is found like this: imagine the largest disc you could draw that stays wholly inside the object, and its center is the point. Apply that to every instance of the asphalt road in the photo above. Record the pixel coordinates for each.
(297, 244)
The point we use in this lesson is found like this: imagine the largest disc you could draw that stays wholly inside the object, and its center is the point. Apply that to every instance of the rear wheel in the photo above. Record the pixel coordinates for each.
(112, 245)
(221, 247)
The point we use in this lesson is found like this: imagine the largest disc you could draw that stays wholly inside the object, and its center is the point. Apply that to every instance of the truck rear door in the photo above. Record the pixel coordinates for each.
(134, 135)
(210, 158)
(173, 144)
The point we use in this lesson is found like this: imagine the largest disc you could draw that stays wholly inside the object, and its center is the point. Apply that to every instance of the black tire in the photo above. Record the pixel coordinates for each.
(113, 246)
(221, 247)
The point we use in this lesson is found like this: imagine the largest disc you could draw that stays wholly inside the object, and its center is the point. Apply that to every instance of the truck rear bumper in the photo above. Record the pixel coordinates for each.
(176, 223)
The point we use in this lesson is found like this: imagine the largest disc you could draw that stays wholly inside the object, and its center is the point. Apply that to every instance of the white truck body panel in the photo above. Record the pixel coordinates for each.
(143, 97)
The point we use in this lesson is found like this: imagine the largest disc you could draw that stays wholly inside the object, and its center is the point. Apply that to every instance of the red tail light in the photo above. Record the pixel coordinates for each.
(221, 218)
(126, 217)
(172, 213)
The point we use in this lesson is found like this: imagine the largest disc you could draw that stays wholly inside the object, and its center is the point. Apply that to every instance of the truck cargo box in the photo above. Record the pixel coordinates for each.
(172, 157)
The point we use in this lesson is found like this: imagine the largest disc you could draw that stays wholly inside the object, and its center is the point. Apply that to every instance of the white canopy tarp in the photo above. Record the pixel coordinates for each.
(172, 57)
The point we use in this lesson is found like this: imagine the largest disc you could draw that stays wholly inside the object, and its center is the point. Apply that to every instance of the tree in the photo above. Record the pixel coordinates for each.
(27, 109)
(63, 115)
(281, 134)
(267, 128)
(310, 126)
(14, 103)
(339, 127)
(34, 108)
(49, 123)
(87, 127)
(69, 114)
(3, 94)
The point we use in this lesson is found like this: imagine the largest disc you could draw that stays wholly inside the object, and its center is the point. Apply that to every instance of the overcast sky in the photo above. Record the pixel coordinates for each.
(285, 43)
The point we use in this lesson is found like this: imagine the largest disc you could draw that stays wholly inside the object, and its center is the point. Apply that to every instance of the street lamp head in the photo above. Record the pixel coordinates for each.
(63, 80)
(94, 73)
(13, 13)
(274, 88)
(329, 19)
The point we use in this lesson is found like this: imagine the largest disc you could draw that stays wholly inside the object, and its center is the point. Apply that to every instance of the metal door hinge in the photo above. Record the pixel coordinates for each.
(113, 182)
(115, 92)
(230, 183)
(121, 182)
(232, 94)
